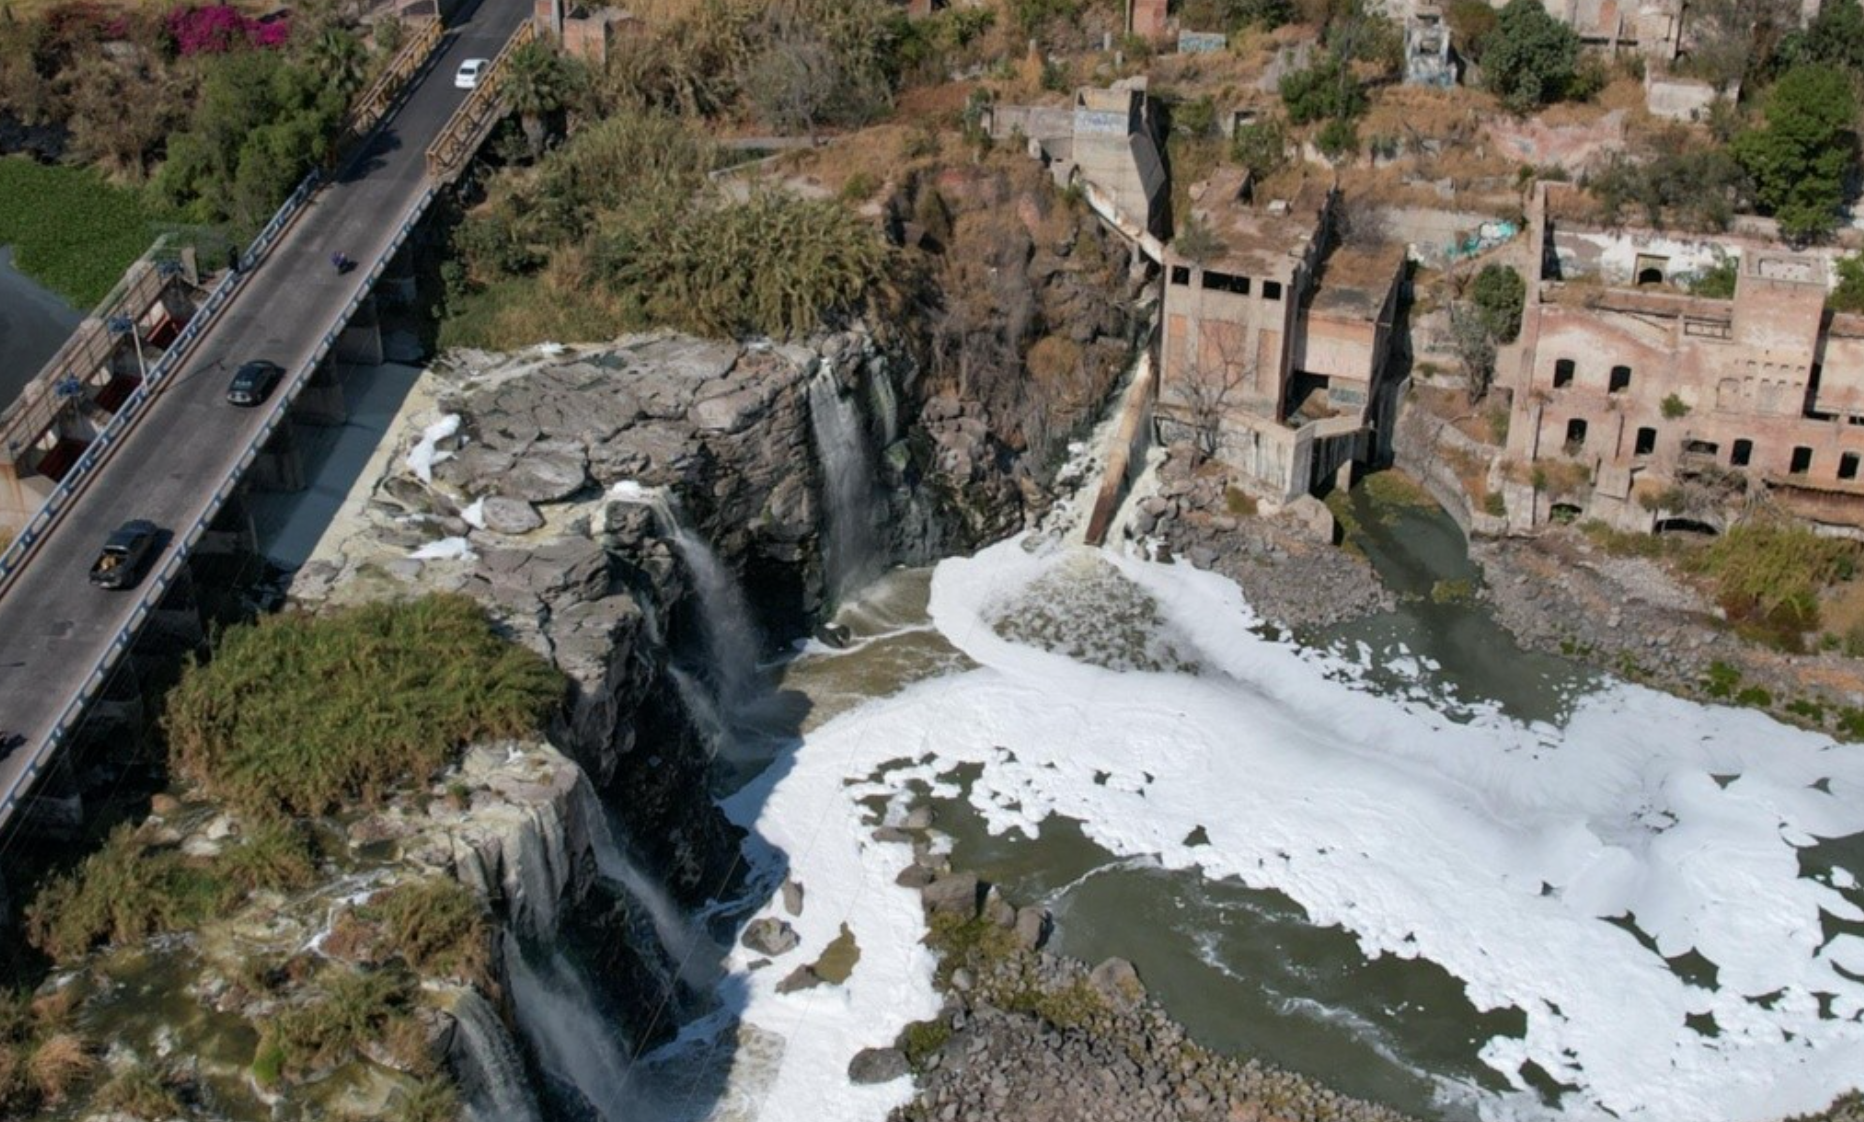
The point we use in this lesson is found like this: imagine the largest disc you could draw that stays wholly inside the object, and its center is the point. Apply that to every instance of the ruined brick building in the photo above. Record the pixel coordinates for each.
(1276, 355)
(1671, 409)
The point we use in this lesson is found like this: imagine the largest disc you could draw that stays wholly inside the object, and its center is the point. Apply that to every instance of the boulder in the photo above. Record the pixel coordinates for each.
(770, 936)
(550, 471)
(1032, 927)
(792, 896)
(1118, 981)
(877, 1065)
(956, 895)
(510, 516)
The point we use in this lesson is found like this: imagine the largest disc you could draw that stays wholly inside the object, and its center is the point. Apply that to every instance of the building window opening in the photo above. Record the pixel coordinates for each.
(1563, 373)
(1848, 466)
(1224, 282)
(1701, 448)
(1575, 436)
(1621, 379)
(1180, 274)
(1802, 461)
(1650, 269)
(1271, 290)
(1743, 452)
(1646, 442)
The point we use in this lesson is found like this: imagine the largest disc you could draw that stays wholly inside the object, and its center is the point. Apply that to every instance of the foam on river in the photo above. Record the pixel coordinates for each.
(1135, 697)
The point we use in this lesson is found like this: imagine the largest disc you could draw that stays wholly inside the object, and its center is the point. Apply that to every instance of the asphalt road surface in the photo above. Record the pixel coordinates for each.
(54, 627)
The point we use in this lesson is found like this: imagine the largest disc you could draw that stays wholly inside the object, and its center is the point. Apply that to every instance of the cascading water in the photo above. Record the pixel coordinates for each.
(731, 635)
(852, 553)
(490, 1071)
(695, 956)
(574, 1042)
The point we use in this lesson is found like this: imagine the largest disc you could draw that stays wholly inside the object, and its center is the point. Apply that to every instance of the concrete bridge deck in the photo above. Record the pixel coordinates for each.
(188, 446)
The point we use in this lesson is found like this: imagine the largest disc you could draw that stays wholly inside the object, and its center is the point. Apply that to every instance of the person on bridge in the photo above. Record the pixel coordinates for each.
(342, 262)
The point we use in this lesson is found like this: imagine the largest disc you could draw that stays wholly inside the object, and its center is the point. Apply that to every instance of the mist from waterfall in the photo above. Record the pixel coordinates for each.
(574, 1042)
(695, 956)
(852, 553)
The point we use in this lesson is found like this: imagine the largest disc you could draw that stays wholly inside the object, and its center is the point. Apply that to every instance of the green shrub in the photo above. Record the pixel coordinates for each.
(921, 1039)
(1754, 697)
(1718, 281)
(1261, 146)
(431, 1100)
(437, 926)
(300, 714)
(355, 1008)
(126, 890)
(1722, 680)
(1494, 505)
(1530, 58)
(1769, 576)
(139, 1093)
(1499, 294)
(1325, 90)
(1848, 294)
(1674, 408)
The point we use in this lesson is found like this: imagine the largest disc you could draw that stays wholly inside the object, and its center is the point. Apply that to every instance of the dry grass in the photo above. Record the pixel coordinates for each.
(59, 1065)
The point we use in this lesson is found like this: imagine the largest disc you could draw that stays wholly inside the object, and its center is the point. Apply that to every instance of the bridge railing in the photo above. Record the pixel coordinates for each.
(157, 584)
(467, 128)
(379, 99)
(17, 553)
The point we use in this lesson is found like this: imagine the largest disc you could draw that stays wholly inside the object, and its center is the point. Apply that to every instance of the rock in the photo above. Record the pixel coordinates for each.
(914, 876)
(998, 910)
(510, 516)
(1117, 980)
(550, 471)
(801, 978)
(164, 804)
(877, 1065)
(1032, 927)
(956, 894)
(793, 896)
(770, 936)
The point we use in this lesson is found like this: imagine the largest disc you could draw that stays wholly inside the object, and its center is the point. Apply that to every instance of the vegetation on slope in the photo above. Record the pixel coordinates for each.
(303, 714)
(70, 230)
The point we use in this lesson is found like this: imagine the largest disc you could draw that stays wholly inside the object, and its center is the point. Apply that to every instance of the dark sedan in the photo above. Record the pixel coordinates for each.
(254, 382)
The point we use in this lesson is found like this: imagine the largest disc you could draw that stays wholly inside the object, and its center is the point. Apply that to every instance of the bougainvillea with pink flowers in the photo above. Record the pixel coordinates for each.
(219, 28)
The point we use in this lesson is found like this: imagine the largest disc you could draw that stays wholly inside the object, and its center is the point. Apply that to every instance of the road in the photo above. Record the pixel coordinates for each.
(54, 627)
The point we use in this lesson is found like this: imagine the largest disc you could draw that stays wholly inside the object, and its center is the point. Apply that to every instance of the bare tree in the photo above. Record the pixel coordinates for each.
(1210, 379)
(795, 83)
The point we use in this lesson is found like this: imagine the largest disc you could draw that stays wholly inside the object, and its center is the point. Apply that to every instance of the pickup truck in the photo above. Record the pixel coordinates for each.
(121, 563)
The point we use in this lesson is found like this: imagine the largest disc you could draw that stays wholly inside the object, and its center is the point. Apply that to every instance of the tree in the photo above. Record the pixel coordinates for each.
(1474, 344)
(339, 56)
(1338, 140)
(1530, 58)
(1799, 159)
(793, 84)
(1834, 38)
(1211, 375)
(1324, 90)
(1848, 294)
(537, 83)
(1261, 146)
(1498, 295)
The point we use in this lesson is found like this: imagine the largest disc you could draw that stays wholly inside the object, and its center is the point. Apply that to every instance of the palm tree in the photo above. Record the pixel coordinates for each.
(337, 55)
(536, 84)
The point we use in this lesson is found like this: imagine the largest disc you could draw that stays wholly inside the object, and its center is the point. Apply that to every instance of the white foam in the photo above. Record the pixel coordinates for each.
(446, 549)
(425, 453)
(1490, 848)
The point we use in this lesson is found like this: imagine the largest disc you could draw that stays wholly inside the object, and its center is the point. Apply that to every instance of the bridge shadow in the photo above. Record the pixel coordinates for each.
(372, 156)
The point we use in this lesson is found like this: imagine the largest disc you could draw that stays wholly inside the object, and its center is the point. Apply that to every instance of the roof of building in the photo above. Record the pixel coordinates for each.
(1355, 280)
(1258, 238)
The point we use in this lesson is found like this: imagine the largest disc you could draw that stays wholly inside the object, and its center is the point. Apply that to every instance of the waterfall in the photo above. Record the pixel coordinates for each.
(695, 956)
(701, 708)
(731, 635)
(847, 484)
(576, 1044)
(486, 1063)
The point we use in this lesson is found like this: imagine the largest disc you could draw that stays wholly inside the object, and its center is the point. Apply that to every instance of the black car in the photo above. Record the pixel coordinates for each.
(254, 382)
(125, 555)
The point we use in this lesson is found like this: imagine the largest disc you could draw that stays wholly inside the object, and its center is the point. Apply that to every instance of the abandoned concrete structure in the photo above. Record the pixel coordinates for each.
(1107, 143)
(1276, 355)
(1427, 60)
(1669, 409)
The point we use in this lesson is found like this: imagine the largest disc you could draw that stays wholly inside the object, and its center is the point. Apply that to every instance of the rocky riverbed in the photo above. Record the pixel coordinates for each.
(1042, 1037)
(1562, 594)
(1285, 563)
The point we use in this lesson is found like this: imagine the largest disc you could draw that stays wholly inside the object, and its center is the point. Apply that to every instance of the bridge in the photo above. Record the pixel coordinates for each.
(106, 435)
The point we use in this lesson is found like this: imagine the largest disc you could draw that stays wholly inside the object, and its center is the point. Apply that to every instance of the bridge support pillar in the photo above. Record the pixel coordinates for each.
(321, 401)
(231, 533)
(176, 623)
(361, 341)
(280, 465)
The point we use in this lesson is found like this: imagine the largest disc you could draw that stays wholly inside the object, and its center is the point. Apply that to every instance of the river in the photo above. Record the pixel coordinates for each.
(1405, 856)
(34, 323)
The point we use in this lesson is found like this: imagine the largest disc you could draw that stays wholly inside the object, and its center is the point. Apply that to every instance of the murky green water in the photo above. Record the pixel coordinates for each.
(1243, 969)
